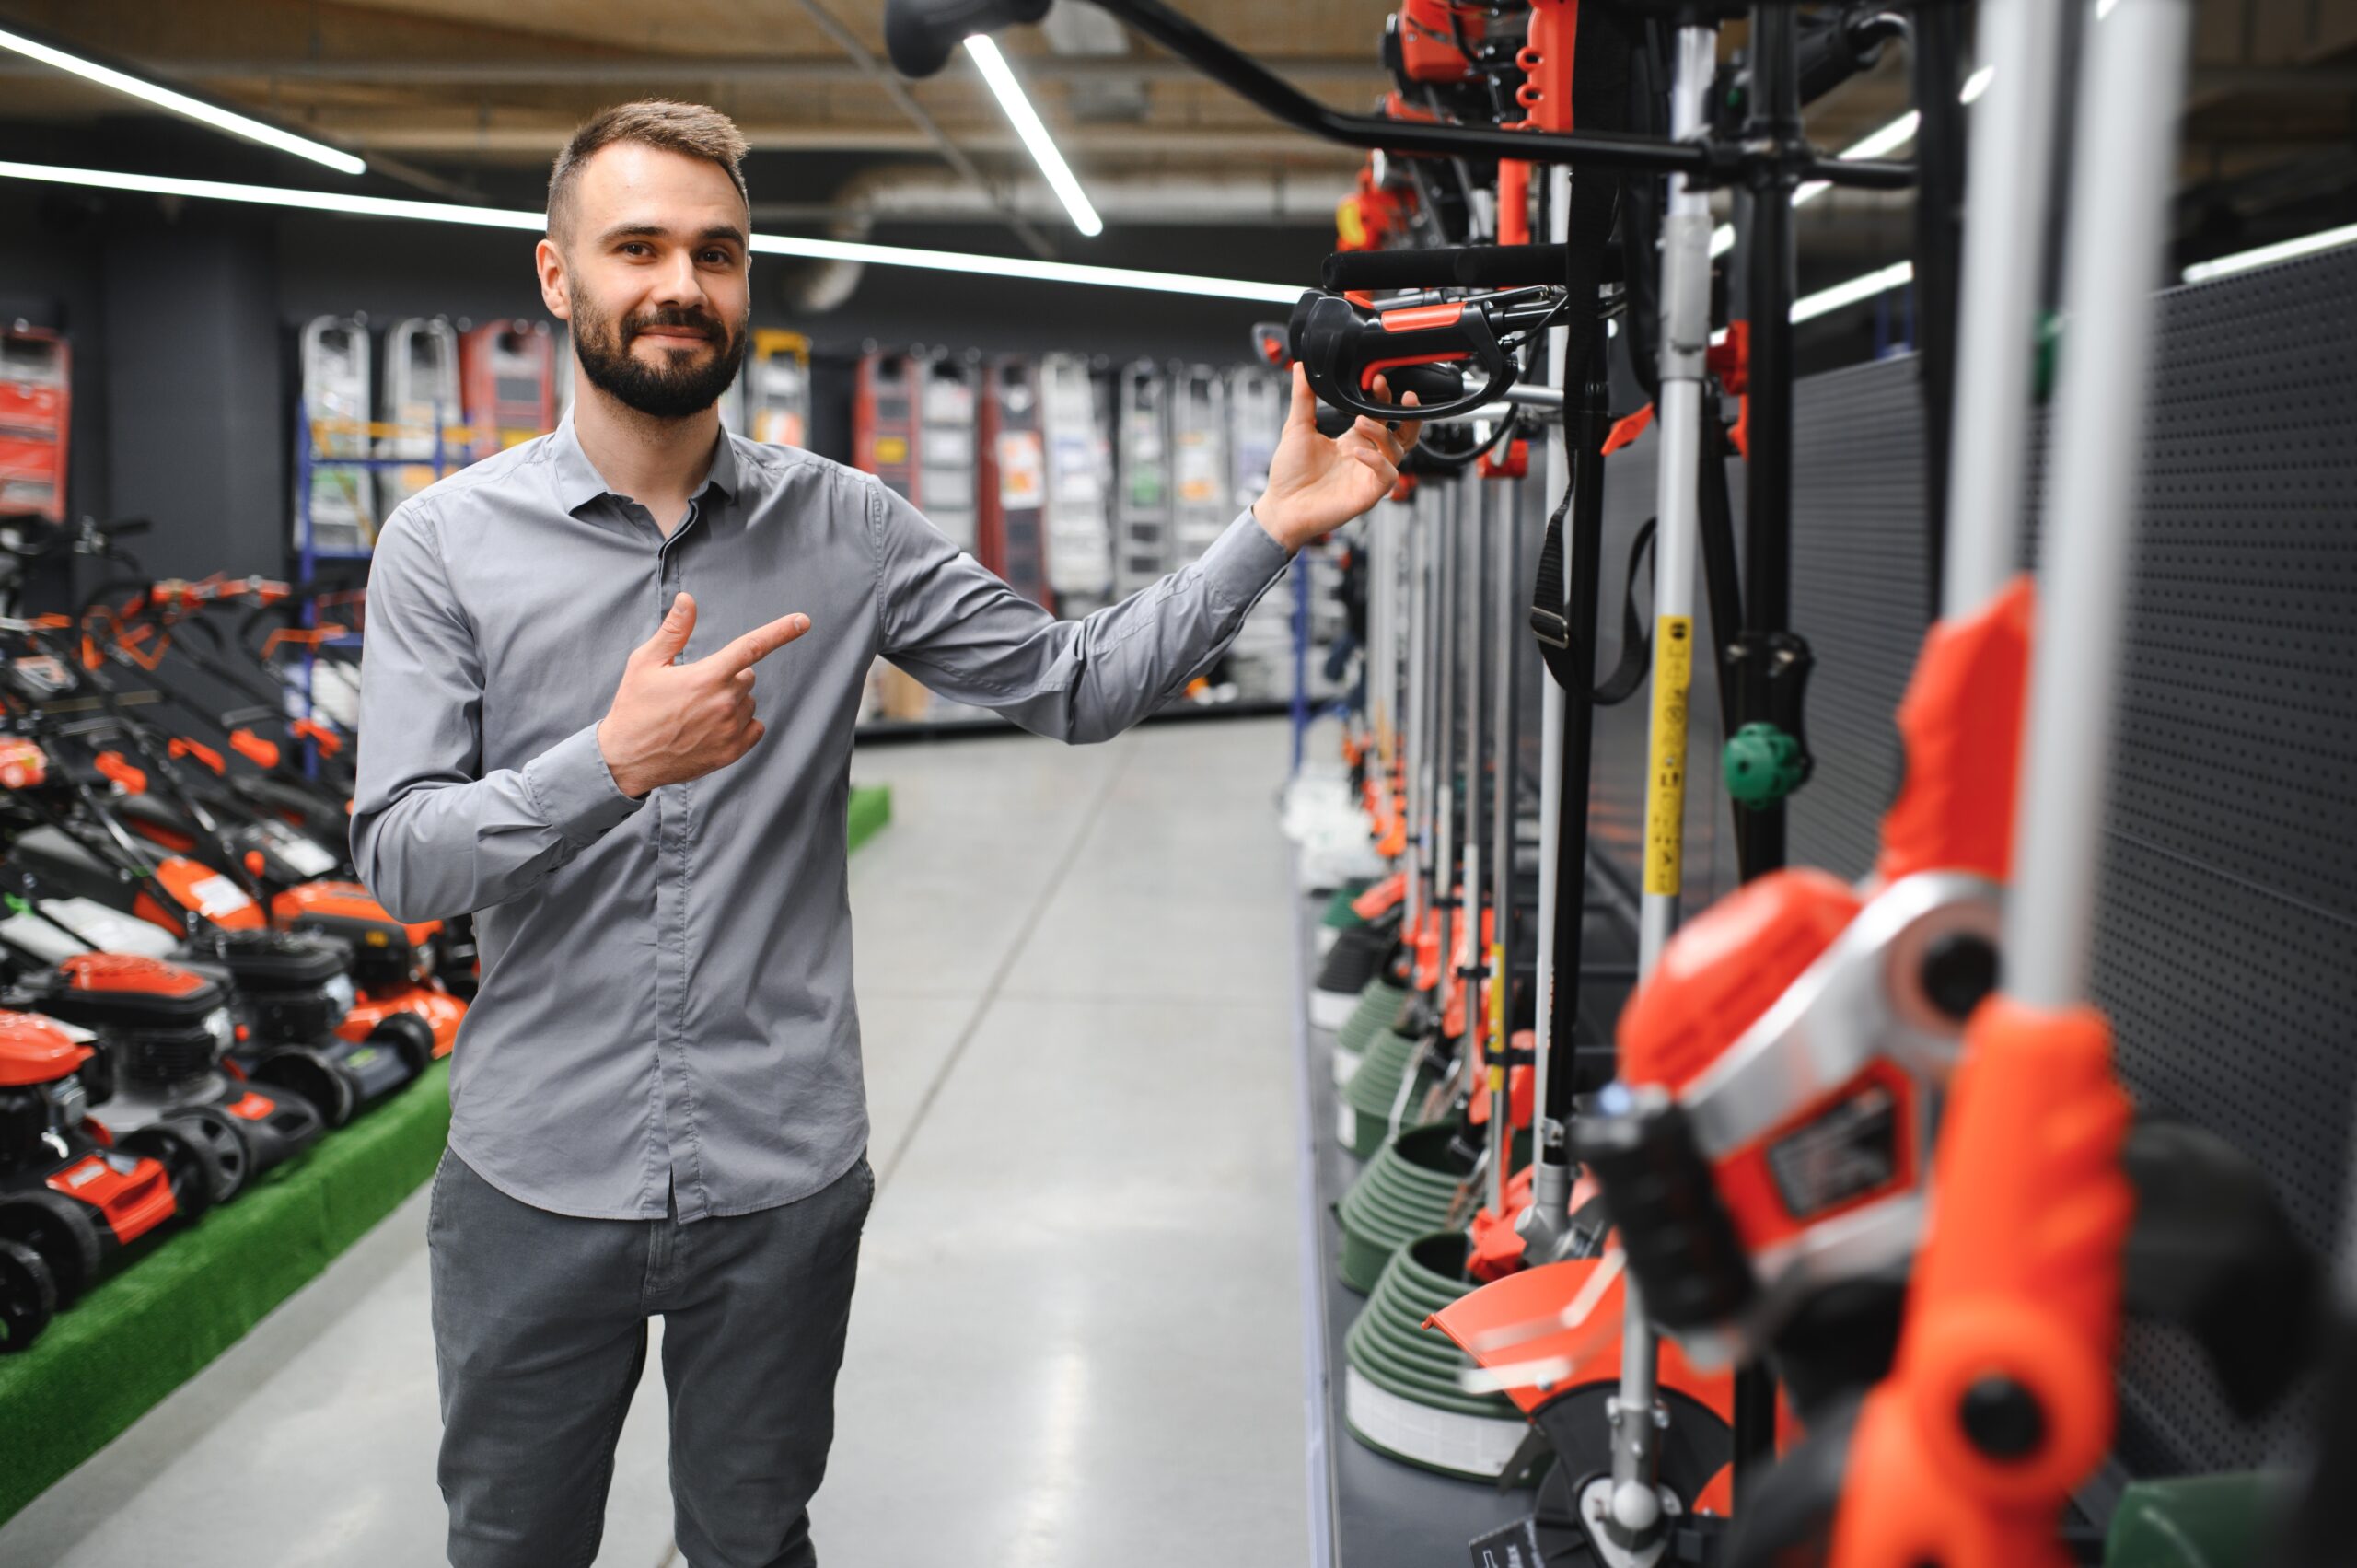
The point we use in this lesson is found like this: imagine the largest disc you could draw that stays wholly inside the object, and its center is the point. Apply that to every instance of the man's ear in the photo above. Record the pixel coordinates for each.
(555, 287)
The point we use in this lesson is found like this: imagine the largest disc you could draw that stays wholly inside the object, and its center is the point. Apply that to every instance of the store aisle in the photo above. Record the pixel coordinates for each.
(1077, 1337)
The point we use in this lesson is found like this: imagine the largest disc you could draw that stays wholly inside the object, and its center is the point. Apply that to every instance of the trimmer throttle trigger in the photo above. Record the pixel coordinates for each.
(1431, 384)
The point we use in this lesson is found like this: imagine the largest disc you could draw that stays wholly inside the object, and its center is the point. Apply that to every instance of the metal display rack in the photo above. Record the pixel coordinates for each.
(1368, 1510)
(453, 448)
(449, 455)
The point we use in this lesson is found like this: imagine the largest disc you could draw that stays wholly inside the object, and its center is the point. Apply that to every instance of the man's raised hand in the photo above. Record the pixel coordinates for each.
(672, 722)
(1315, 484)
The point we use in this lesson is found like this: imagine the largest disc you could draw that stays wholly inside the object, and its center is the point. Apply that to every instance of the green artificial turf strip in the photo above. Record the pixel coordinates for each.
(106, 1361)
(142, 1333)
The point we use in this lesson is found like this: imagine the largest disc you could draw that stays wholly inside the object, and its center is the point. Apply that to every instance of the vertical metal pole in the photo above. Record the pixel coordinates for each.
(1505, 579)
(1382, 694)
(1552, 1151)
(1564, 895)
(1447, 752)
(1416, 699)
(1774, 120)
(306, 527)
(1775, 116)
(1686, 326)
(1300, 573)
(1686, 323)
(1933, 54)
(1472, 658)
(2007, 190)
(2131, 89)
(1435, 745)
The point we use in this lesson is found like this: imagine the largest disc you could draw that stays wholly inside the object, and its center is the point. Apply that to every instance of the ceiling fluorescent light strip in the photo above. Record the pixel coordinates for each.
(1027, 125)
(1811, 306)
(181, 103)
(2282, 250)
(766, 244)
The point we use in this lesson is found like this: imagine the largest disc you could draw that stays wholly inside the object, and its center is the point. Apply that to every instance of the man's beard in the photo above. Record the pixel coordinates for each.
(678, 387)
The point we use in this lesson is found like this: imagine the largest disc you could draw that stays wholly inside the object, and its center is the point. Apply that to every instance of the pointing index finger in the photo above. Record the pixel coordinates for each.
(759, 644)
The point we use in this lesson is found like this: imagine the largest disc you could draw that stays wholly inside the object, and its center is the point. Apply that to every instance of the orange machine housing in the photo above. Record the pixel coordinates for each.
(36, 409)
(884, 420)
(508, 382)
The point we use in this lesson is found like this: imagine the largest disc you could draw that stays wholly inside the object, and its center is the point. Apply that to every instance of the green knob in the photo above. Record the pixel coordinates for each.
(1763, 765)
(2047, 355)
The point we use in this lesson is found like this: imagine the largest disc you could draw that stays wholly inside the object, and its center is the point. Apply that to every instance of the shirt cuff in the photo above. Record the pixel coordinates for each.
(1244, 560)
(576, 790)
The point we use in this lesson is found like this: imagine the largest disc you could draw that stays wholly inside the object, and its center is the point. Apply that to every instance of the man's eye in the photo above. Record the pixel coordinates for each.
(718, 258)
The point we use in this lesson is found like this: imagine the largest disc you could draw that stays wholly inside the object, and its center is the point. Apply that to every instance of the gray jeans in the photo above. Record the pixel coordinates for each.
(540, 1335)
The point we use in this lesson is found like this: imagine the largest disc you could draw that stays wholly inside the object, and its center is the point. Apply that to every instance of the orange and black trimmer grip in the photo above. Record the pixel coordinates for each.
(2002, 1400)
(1961, 722)
(1432, 351)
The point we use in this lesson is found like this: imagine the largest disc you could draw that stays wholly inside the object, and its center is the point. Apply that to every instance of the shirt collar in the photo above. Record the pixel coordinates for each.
(579, 482)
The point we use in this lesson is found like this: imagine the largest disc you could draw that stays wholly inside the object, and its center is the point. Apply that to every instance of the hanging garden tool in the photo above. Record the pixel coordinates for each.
(1769, 1176)
(2002, 1399)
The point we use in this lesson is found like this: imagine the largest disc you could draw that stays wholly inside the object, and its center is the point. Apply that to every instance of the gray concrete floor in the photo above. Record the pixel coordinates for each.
(1076, 1338)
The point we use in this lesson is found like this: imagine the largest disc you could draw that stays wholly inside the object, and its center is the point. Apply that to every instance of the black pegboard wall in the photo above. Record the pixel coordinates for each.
(2227, 932)
(2225, 945)
(1861, 588)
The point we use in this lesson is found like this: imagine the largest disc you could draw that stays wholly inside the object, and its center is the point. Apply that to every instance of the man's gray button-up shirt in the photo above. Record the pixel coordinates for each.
(667, 982)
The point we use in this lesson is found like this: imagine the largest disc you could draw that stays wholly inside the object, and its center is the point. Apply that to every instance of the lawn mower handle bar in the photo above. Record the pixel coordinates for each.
(921, 34)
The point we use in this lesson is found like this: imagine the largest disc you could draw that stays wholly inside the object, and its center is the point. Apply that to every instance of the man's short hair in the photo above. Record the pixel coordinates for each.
(690, 128)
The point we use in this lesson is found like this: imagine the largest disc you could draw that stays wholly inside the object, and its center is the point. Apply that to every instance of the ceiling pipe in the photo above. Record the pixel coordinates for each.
(909, 193)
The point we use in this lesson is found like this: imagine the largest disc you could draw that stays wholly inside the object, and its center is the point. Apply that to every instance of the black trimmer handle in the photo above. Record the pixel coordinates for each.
(1432, 350)
(1433, 384)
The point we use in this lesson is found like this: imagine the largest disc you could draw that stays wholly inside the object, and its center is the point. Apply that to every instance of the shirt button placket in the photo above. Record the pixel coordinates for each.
(671, 939)
(668, 922)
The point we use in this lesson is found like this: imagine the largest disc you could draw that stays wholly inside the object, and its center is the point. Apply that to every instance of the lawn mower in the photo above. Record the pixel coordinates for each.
(274, 795)
(166, 1031)
(217, 862)
(300, 768)
(289, 991)
(75, 1200)
(172, 791)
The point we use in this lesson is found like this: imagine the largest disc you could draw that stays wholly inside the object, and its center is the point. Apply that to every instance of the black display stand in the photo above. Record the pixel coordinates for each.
(1367, 1510)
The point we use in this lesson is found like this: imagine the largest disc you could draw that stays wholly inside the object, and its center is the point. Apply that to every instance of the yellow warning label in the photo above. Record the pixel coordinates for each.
(1497, 1002)
(1665, 777)
(891, 450)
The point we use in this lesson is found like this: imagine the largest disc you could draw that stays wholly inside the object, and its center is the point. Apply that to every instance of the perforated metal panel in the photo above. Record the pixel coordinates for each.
(1860, 596)
(2226, 934)
(2226, 937)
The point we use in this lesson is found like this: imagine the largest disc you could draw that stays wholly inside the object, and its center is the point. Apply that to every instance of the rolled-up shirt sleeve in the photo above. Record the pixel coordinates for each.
(956, 627)
(432, 835)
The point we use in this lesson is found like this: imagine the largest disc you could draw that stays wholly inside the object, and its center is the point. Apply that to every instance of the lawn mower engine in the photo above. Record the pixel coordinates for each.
(167, 1029)
(392, 960)
(71, 1201)
(290, 992)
